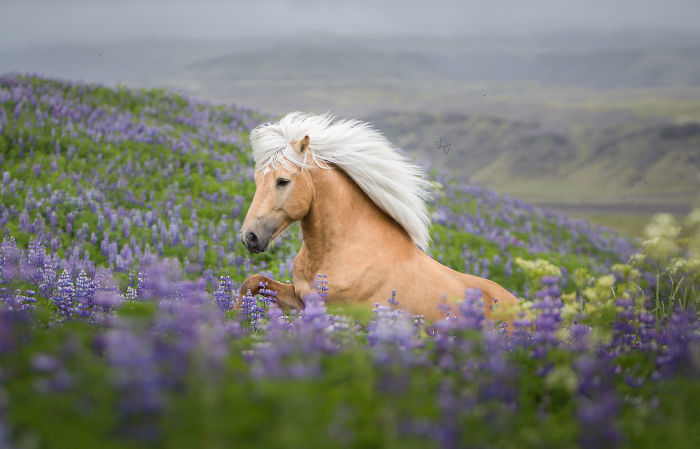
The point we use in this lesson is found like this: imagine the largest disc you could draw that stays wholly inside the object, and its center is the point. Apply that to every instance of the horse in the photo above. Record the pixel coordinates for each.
(364, 220)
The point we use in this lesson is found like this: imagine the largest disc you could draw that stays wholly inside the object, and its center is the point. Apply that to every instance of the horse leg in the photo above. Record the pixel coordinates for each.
(286, 296)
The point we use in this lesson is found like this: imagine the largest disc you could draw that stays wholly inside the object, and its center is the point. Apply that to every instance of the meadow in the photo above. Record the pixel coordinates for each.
(120, 264)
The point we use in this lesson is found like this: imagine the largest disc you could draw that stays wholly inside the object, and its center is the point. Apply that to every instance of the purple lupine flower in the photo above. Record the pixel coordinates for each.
(160, 278)
(322, 288)
(48, 275)
(676, 340)
(107, 295)
(69, 222)
(65, 294)
(579, 337)
(647, 331)
(546, 324)
(248, 303)
(36, 254)
(499, 384)
(624, 328)
(84, 294)
(392, 335)
(132, 287)
(300, 343)
(255, 308)
(447, 431)
(54, 377)
(20, 301)
(136, 376)
(598, 424)
(126, 227)
(24, 221)
(45, 363)
(200, 251)
(225, 296)
(393, 301)
(268, 360)
(55, 243)
(174, 234)
(471, 310)
(521, 334)
(104, 244)
(112, 252)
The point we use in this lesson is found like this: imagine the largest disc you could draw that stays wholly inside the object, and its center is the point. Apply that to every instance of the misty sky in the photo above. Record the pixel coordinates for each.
(40, 22)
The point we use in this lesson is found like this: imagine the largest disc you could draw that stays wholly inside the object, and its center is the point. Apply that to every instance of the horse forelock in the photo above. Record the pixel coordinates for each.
(391, 181)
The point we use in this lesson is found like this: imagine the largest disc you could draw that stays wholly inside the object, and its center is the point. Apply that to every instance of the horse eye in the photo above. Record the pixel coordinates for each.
(281, 182)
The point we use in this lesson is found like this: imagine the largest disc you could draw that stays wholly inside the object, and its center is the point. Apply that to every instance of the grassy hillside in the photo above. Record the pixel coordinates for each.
(120, 325)
(155, 173)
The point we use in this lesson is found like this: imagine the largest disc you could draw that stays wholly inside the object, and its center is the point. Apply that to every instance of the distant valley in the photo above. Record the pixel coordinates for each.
(650, 163)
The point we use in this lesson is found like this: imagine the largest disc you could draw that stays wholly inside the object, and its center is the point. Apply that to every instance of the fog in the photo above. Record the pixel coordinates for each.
(41, 22)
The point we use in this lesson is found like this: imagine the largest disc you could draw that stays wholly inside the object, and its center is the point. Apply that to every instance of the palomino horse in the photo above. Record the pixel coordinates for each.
(363, 218)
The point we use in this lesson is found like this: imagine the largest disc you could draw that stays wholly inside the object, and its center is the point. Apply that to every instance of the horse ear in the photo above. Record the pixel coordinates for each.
(304, 144)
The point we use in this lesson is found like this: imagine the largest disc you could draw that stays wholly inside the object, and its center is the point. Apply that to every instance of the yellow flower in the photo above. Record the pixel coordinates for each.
(661, 248)
(601, 290)
(626, 272)
(535, 270)
(569, 311)
(637, 258)
(662, 226)
(582, 277)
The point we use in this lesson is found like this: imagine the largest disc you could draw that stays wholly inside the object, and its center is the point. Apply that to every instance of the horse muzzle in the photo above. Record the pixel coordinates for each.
(254, 242)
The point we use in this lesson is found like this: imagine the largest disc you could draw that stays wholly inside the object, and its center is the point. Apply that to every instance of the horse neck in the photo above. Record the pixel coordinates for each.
(342, 215)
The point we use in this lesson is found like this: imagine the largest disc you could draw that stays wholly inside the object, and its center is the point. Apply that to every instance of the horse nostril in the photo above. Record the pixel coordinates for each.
(252, 239)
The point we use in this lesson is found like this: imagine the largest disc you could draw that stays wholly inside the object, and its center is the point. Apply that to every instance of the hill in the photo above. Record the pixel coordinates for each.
(648, 161)
(153, 172)
(587, 60)
(121, 327)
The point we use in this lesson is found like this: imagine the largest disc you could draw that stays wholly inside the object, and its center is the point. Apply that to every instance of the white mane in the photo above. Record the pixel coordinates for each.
(391, 181)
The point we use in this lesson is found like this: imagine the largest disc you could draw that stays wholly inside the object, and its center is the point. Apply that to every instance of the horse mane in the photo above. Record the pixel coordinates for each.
(389, 179)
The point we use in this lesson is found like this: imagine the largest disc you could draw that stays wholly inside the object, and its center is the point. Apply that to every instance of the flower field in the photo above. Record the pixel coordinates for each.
(119, 267)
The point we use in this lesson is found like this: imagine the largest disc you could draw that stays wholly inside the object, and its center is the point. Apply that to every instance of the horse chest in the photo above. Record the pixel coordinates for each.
(309, 283)
(344, 281)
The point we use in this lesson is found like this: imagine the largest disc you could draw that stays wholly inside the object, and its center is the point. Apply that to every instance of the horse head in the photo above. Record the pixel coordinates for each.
(283, 194)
